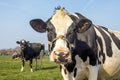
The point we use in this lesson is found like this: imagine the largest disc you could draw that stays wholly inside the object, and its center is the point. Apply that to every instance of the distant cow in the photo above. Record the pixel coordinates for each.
(16, 55)
(30, 51)
(83, 50)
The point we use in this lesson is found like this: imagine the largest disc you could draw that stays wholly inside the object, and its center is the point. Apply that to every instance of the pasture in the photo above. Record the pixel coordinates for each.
(10, 70)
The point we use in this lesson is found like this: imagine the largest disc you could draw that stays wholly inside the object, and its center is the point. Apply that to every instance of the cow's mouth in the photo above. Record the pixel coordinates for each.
(61, 56)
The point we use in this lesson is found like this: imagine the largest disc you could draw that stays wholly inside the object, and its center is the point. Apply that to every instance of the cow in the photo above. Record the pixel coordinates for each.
(84, 51)
(30, 51)
(16, 55)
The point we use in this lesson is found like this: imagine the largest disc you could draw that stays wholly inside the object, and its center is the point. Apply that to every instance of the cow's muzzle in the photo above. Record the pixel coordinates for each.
(62, 57)
(61, 53)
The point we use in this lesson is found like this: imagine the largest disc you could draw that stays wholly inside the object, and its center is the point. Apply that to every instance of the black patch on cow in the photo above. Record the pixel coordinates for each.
(89, 53)
(116, 40)
(107, 42)
(114, 37)
(51, 31)
(71, 65)
(65, 71)
(52, 45)
(74, 18)
(104, 28)
(101, 47)
(86, 46)
(60, 68)
(71, 33)
(51, 34)
(75, 72)
(99, 62)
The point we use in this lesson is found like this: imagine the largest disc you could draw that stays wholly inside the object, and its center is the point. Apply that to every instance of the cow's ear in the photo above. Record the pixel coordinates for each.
(38, 25)
(18, 42)
(83, 25)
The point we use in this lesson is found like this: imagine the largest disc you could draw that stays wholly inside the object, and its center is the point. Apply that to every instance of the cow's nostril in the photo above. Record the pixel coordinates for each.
(56, 52)
(66, 55)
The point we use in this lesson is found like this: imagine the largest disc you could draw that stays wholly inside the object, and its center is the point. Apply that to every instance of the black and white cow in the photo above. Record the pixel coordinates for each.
(16, 55)
(29, 51)
(83, 50)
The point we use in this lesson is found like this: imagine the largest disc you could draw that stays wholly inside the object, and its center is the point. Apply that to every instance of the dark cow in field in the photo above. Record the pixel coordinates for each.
(83, 50)
(29, 51)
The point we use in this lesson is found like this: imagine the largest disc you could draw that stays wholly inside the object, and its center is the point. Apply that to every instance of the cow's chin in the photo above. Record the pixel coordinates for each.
(60, 60)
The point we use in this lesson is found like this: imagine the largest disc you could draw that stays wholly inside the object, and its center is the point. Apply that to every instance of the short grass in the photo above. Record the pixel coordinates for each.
(10, 70)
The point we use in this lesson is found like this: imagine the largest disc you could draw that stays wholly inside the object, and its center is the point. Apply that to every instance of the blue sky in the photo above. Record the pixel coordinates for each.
(16, 14)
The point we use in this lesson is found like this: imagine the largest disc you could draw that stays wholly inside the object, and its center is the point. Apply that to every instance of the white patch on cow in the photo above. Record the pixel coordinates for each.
(22, 69)
(100, 58)
(61, 21)
(93, 72)
(61, 44)
(75, 15)
(23, 41)
(51, 57)
(31, 70)
(82, 68)
(85, 70)
(67, 75)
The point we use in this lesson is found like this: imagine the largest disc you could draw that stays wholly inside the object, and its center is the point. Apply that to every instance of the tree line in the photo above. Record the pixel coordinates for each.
(9, 51)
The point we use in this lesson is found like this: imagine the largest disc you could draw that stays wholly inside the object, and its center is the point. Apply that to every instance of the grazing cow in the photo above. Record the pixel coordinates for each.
(83, 50)
(16, 55)
(30, 51)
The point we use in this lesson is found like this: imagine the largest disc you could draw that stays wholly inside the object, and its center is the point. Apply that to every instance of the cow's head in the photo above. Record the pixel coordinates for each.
(60, 28)
(23, 44)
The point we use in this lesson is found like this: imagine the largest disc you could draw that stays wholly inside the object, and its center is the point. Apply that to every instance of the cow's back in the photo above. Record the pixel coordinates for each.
(116, 33)
(36, 48)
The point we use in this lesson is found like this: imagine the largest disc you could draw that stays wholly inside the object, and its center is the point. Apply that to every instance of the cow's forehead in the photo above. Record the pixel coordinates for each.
(61, 21)
(22, 41)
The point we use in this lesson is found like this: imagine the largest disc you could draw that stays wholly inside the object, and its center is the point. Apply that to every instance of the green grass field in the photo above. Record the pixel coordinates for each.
(10, 70)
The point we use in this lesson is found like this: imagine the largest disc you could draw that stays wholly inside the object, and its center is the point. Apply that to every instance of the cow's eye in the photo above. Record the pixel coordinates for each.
(70, 36)
(69, 33)
(51, 35)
